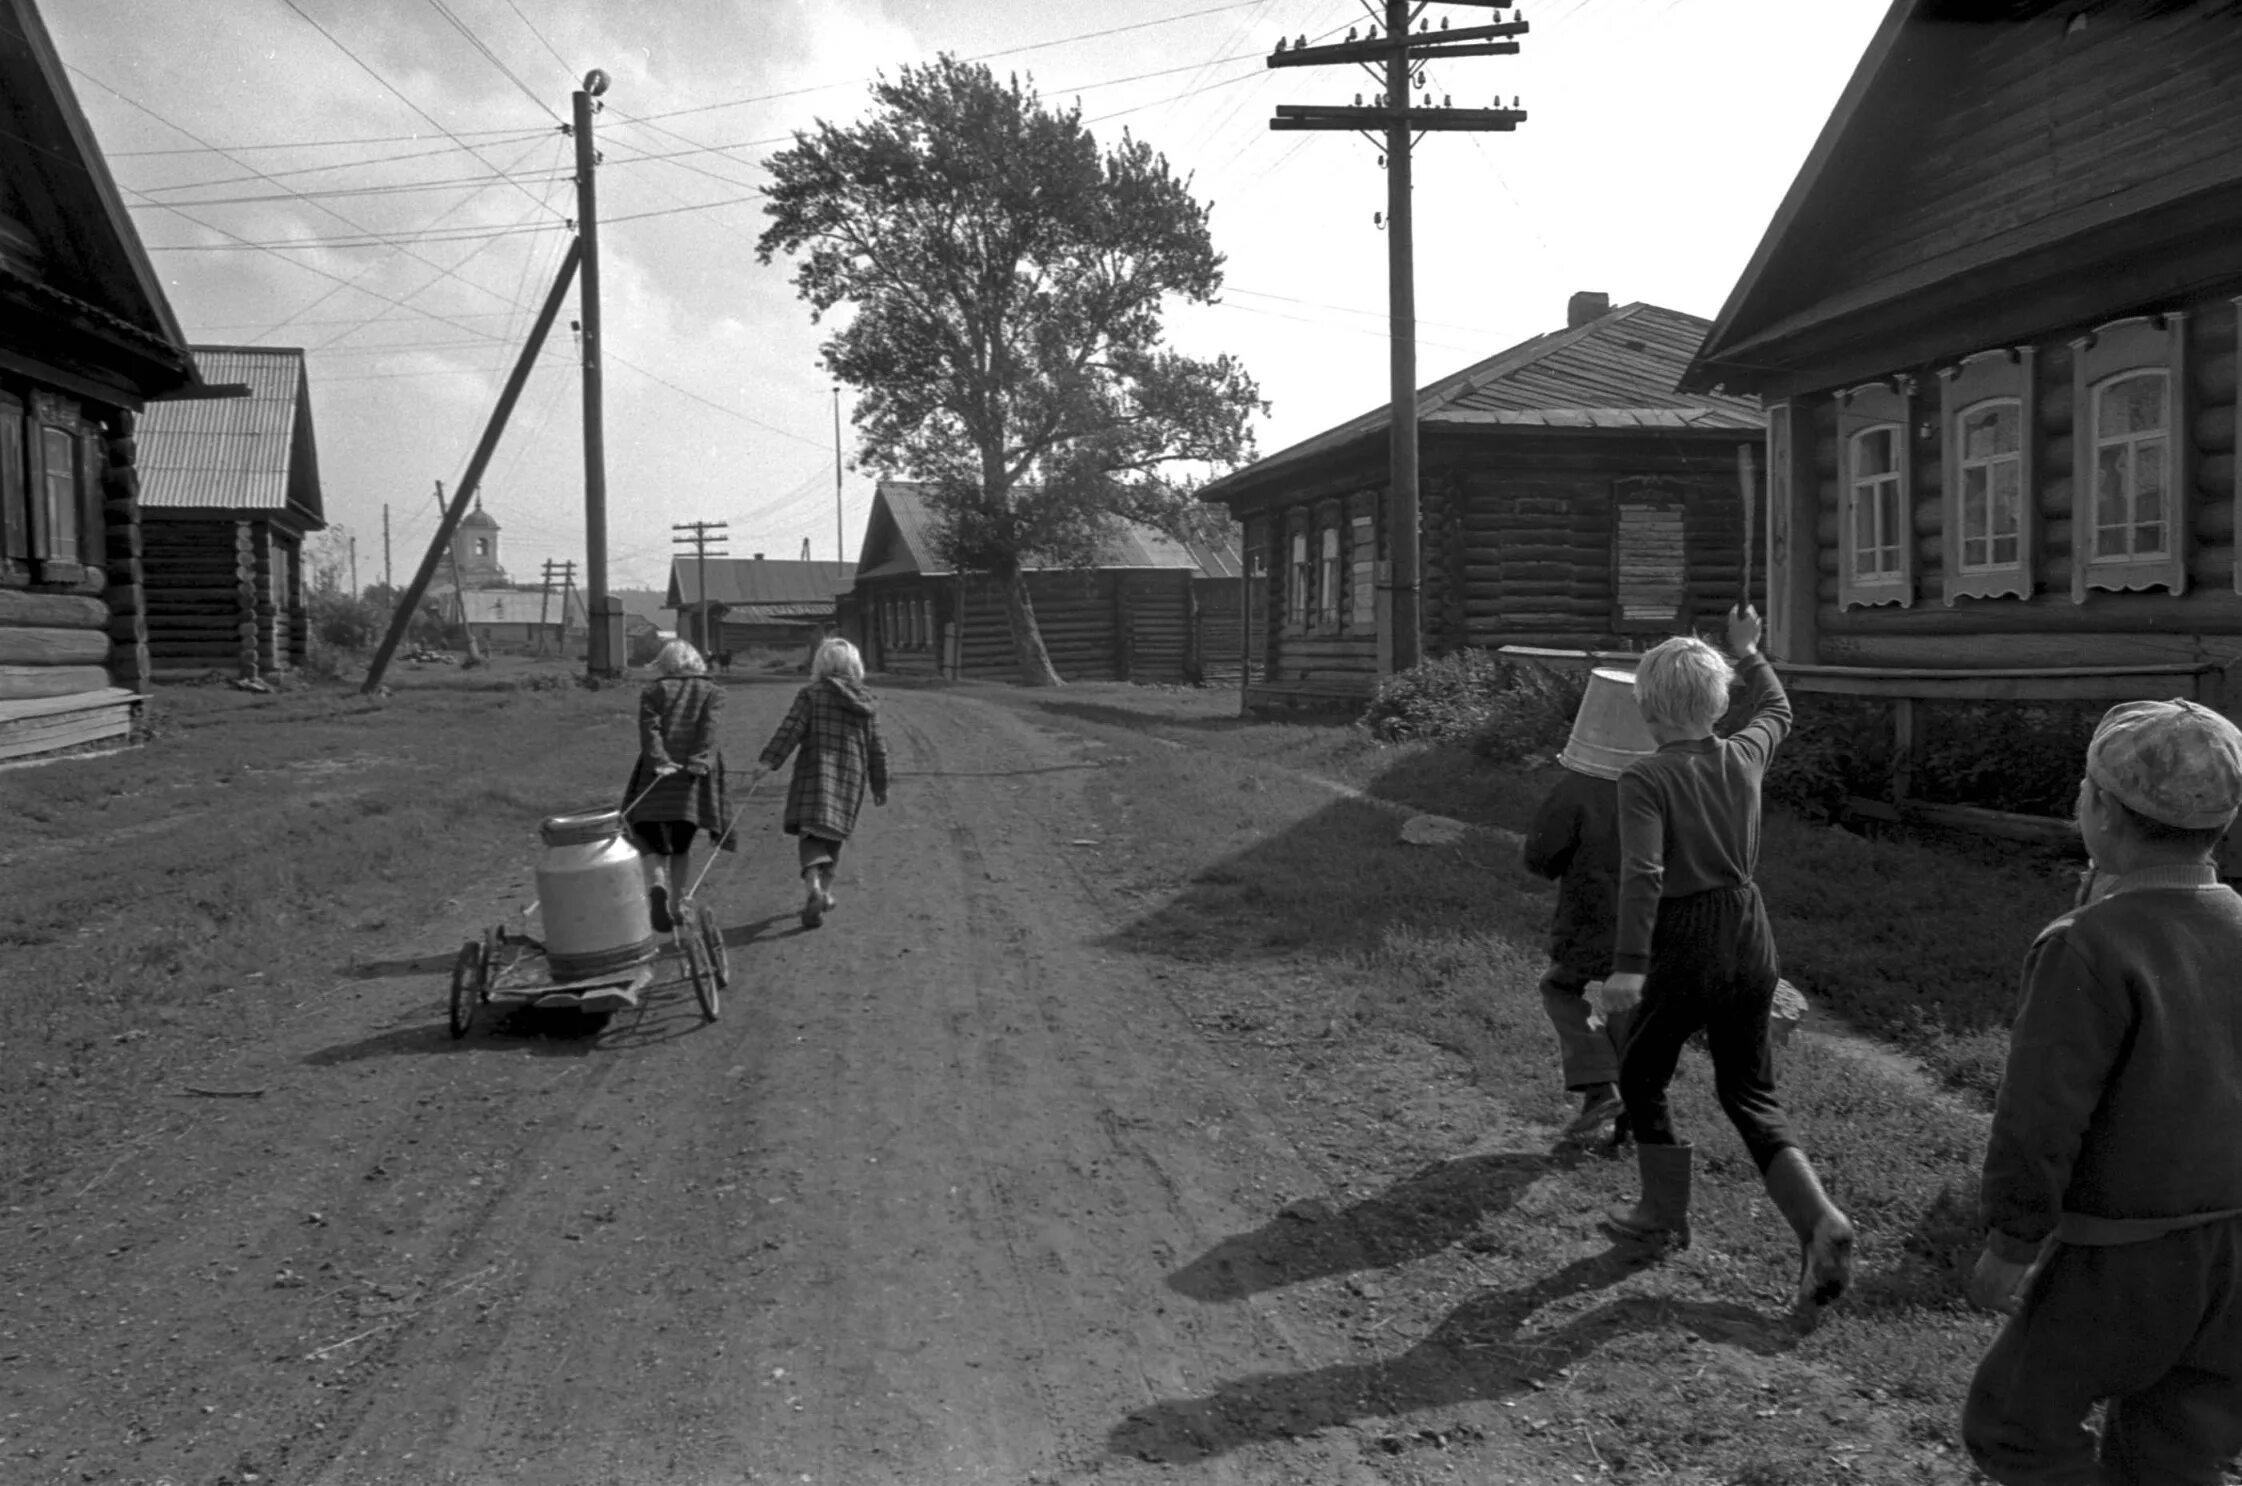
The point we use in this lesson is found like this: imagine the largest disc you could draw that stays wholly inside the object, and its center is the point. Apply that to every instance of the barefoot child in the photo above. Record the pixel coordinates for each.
(835, 723)
(1694, 944)
(2113, 1179)
(1575, 839)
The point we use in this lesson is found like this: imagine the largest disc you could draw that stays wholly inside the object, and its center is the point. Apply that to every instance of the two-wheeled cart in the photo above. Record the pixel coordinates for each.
(600, 952)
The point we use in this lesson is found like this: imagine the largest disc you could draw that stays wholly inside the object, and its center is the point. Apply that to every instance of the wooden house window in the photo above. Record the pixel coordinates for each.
(1876, 539)
(1991, 524)
(15, 498)
(52, 482)
(1296, 593)
(1327, 582)
(2129, 474)
(1363, 614)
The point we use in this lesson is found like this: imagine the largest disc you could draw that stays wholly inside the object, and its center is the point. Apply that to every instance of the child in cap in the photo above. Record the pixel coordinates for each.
(1694, 944)
(1575, 839)
(2113, 1174)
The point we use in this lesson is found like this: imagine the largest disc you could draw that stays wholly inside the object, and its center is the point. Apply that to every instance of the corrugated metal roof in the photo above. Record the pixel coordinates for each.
(1627, 359)
(1133, 546)
(758, 580)
(233, 453)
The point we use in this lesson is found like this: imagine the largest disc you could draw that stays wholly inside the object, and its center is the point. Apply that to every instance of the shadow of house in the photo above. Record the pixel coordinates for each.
(228, 490)
(87, 340)
(1570, 496)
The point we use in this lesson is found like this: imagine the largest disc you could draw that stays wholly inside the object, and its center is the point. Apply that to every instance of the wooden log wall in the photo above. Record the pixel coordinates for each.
(1220, 617)
(2109, 629)
(1154, 624)
(1535, 555)
(55, 637)
(201, 595)
(129, 662)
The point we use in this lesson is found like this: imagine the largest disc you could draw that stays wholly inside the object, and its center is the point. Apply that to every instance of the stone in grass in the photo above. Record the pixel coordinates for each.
(1432, 830)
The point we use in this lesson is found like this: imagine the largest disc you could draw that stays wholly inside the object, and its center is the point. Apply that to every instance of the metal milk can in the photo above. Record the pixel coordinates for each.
(591, 895)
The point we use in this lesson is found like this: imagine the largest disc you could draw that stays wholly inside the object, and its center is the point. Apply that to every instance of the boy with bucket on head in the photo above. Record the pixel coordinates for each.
(1575, 839)
(1694, 946)
(2113, 1179)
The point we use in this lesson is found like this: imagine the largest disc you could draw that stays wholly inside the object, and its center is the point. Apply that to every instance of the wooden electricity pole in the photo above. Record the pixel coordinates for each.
(697, 534)
(597, 660)
(1396, 58)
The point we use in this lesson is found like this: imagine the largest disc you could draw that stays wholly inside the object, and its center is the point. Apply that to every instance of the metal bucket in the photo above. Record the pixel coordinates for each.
(1608, 732)
(591, 896)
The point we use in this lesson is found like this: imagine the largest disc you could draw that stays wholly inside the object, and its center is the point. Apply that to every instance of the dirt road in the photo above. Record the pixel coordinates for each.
(914, 1210)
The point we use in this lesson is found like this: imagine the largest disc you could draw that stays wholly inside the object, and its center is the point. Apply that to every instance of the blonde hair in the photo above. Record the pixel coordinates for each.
(680, 658)
(1683, 683)
(837, 657)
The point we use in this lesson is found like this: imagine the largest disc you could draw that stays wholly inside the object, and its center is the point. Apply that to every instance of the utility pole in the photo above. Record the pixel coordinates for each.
(544, 604)
(354, 564)
(696, 534)
(840, 533)
(597, 660)
(388, 573)
(568, 595)
(1396, 60)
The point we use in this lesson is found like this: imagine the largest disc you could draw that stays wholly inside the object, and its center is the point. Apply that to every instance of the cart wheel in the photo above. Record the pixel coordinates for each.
(701, 973)
(712, 940)
(467, 976)
(494, 939)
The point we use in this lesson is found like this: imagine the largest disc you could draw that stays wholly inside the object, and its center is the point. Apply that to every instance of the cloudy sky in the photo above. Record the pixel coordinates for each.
(385, 183)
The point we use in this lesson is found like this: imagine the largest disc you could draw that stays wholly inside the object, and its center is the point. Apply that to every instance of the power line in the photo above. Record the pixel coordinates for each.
(494, 135)
(492, 57)
(719, 407)
(397, 188)
(274, 175)
(567, 70)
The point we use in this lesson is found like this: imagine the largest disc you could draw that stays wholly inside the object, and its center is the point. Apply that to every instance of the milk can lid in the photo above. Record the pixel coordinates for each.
(584, 829)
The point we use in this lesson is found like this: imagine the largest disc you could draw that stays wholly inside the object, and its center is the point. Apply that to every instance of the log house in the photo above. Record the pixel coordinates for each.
(228, 491)
(1568, 496)
(1152, 609)
(87, 340)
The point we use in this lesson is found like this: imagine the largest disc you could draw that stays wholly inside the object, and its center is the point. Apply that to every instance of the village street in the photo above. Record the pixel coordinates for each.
(1035, 1164)
(912, 1210)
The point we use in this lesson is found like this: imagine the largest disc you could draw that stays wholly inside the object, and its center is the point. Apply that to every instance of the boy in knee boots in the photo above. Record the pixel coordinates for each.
(1693, 944)
(2113, 1179)
(1575, 839)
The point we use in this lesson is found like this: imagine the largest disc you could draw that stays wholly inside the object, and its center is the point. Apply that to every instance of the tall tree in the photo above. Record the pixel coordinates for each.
(1004, 280)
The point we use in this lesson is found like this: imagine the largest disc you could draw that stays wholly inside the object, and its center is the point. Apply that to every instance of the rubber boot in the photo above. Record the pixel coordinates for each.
(1661, 1219)
(680, 880)
(657, 895)
(1825, 1235)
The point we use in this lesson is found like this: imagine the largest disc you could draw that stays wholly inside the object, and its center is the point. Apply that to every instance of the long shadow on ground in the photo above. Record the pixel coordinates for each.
(1481, 1351)
(1422, 1214)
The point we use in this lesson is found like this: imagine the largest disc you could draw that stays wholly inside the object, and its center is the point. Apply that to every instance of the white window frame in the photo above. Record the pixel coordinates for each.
(1864, 413)
(2100, 359)
(1990, 465)
(2131, 444)
(1327, 578)
(1989, 378)
(1296, 593)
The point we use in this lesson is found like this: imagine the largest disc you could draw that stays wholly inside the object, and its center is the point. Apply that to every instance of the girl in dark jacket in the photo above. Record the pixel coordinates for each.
(680, 773)
(834, 721)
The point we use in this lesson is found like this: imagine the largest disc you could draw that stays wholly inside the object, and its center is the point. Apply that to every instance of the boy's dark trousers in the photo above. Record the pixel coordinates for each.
(2154, 1327)
(1712, 965)
(1587, 1055)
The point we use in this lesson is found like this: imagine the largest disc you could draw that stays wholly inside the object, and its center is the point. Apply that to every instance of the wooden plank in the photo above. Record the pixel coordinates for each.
(66, 730)
(51, 610)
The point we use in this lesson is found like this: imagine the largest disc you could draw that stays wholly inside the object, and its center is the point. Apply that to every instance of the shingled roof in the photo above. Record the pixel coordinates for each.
(1614, 373)
(899, 534)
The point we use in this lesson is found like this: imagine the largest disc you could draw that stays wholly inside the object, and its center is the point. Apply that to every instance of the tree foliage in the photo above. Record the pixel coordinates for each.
(1001, 282)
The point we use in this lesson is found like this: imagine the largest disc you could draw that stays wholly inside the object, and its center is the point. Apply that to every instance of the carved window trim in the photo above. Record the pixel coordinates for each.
(1327, 576)
(2106, 355)
(1977, 382)
(1296, 574)
(1863, 412)
(1362, 570)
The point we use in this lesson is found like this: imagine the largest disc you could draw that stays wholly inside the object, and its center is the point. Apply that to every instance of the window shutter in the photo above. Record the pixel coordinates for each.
(53, 479)
(15, 495)
(93, 546)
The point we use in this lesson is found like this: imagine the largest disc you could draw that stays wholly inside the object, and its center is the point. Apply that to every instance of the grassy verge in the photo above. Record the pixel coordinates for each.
(1916, 938)
(157, 904)
(1313, 932)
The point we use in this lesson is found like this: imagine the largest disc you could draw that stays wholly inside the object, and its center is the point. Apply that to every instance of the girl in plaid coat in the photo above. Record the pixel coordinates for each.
(677, 785)
(835, 723)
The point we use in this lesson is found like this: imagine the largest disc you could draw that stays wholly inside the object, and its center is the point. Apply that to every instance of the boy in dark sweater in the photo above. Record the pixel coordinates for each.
(1695, 946)
(1575, 839)
(2113, 1176)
